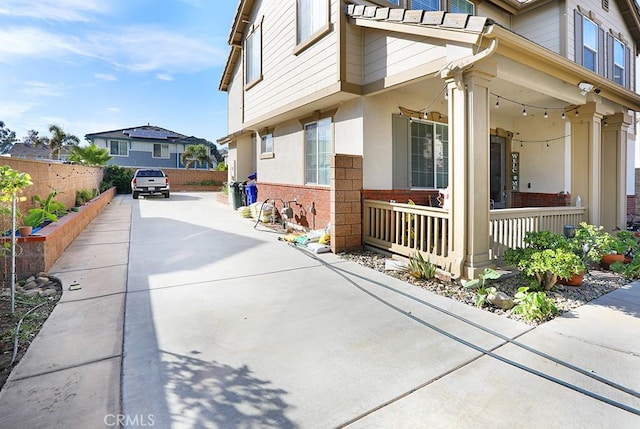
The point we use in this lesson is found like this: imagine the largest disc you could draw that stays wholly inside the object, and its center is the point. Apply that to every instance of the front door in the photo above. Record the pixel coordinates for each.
(497, 186)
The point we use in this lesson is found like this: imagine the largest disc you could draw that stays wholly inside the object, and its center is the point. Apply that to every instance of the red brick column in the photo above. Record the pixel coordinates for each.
(345, 202)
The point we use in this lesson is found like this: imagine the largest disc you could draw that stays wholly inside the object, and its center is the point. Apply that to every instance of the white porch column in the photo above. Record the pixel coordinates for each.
(586, 162)
(614, 171)
(469, 168)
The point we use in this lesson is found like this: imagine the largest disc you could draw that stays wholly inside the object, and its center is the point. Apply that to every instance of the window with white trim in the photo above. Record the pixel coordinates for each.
(266, 143)
(589, 44)
(455, 6)
(317, 148)
(429, 154)
(118, 148)
(161, 150)
(618, 62)
(253, 56)
(312, 17)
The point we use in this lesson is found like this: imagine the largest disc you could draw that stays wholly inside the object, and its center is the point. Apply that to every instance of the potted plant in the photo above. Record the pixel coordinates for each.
(546, 258)
(34, 218)
(618, 247)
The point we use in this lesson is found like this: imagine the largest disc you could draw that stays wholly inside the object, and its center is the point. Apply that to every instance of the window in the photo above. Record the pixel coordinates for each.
(589, 44)
(266, 143)
(429, 155)
(118, 148)
(618, 62)
(455, 6)
(431, 5)
(461, 6)
(253, 56)
(317, 147)
(161, 150)
(313, 17)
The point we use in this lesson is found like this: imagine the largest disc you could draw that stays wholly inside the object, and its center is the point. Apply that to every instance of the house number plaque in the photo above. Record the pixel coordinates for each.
(515, 171)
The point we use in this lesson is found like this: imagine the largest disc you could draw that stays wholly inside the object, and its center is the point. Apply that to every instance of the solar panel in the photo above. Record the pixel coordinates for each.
(151, 134)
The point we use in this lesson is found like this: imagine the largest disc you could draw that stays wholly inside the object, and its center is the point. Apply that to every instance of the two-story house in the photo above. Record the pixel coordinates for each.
(509, 109)
(146, 146)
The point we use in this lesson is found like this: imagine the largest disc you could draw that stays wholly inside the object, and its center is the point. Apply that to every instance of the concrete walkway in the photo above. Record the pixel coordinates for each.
(227, 327)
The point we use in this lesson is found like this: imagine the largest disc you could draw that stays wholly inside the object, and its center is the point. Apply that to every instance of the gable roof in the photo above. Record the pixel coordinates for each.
(28, 149)
(143, 132)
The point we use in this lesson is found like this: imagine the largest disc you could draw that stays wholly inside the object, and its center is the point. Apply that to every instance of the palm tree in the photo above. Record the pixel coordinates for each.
(193, 153)
(90, 155)
(58, 139)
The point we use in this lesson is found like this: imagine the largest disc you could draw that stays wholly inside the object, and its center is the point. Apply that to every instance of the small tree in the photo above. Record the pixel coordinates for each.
(58, 139)
(90, 155)
(7, 138)
(193, 153)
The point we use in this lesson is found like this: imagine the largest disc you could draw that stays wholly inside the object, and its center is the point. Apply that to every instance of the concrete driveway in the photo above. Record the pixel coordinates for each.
(228, 327)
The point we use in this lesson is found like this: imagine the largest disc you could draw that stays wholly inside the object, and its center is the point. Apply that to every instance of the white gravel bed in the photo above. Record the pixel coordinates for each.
(595, 284)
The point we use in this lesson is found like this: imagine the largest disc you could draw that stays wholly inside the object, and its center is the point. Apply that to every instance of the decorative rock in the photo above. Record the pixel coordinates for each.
(48, 292)
(42, 274)
(29, 285)
(5, 292)
(41, 281)
(500, 300)
(33, 292)
(30, 279)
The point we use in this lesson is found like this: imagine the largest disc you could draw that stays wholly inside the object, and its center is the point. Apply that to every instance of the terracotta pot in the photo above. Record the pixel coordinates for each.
(607, 260)
(575, 280)
(25, 231)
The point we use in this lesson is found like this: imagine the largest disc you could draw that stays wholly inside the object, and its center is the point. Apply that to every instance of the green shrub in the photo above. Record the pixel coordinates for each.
(420, 268)
(480, 284)
(83, 195)
(120, 177)
(105, 185)
(534, 305)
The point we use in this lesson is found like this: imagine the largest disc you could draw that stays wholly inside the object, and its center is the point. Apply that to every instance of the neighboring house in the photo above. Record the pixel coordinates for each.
(146, 146)
(354, 108)
(38, 153)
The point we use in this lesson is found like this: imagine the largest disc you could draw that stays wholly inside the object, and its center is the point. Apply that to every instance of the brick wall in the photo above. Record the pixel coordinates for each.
(46, 176)
(536, 199)
(346, 203)
(186, 180)
(306, 196)
(39, 252)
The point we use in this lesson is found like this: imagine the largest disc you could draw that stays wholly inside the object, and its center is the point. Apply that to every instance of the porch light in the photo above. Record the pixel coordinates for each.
(546, 115)
(563, 115)
(524, 110)
(577, 112)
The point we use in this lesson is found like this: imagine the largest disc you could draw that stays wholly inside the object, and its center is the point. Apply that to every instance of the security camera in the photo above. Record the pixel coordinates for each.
(597, 90)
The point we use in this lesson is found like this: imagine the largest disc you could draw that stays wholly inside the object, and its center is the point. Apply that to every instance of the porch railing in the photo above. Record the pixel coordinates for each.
(405, 228)
(507, 227)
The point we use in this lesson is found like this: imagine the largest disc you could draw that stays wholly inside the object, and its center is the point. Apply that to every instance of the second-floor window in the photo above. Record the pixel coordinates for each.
(455, 6)
(118, 148)
(589, 44)
(618, 62)
(312, 17)
(161, 150)
(253, 56)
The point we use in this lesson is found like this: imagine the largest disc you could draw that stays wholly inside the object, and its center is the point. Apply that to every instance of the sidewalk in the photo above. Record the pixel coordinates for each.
(230, 327)
(70, 375)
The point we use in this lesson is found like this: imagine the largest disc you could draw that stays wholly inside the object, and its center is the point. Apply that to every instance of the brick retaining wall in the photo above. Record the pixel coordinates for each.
(41, 251)
(306, 196)
(185, 180)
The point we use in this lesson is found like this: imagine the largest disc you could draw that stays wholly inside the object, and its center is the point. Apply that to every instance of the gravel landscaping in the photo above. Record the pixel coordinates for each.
(595, 284)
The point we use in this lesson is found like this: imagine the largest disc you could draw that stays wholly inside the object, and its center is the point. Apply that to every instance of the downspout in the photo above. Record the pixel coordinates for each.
(454, 70)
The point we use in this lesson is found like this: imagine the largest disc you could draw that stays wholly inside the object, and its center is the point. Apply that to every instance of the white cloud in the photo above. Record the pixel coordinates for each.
(42, 89)
(105, 76)
(164, 76)
(54, 10)
(113, 109)
(10, 110)
(144, 49)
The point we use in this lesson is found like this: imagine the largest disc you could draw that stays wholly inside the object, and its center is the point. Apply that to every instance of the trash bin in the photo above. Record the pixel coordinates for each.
(252, 194)
(235, 196)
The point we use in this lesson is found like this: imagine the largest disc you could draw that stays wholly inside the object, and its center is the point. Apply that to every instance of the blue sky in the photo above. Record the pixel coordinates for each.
(98, 65)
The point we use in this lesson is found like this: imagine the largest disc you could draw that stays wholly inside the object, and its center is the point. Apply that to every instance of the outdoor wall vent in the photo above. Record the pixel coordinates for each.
(605, 5)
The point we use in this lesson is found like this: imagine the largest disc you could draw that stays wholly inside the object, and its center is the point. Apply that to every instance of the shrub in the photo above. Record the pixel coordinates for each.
(120, 177)
(480, 284)
(420, 268)
(534, 305)
(83, 195)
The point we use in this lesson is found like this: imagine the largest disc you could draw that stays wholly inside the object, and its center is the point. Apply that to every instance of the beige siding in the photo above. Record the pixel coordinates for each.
(287, 165)
(386, 54)
(541, 25)
(234, 100)
(354, 52)
(498, 15)
(288, 77)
